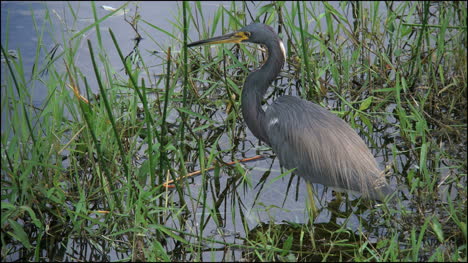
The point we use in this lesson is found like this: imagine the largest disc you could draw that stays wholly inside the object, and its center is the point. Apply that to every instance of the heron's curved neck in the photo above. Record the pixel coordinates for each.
(255, 87)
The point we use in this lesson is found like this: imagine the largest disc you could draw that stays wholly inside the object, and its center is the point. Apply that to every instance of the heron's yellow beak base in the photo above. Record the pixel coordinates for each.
(235, 37)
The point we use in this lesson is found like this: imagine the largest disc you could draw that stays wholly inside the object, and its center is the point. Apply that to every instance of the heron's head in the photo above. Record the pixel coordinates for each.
(255, 33)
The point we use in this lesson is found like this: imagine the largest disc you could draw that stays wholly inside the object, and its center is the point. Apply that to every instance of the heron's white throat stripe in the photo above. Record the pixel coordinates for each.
(282, 48)
(273, 121)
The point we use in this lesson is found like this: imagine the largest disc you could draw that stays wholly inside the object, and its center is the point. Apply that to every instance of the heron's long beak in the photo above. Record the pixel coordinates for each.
(235, 37)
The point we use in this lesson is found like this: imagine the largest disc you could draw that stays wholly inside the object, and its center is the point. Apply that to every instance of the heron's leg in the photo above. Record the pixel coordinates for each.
(338, 196)
(313, 212)
(312, 207)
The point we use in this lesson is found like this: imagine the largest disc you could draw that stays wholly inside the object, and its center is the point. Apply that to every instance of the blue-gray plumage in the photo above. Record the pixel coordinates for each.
(323, 147)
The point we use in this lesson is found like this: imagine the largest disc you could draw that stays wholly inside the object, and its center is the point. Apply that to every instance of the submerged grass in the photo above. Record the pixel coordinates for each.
(83, 172)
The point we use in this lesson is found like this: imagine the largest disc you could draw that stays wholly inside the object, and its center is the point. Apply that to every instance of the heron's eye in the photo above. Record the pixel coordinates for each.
(248, 34)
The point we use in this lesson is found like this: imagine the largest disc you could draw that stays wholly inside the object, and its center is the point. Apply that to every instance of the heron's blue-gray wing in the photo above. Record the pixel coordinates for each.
(322, 147)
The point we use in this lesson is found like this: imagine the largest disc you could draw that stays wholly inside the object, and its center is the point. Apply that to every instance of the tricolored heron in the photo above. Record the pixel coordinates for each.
(322, 147)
